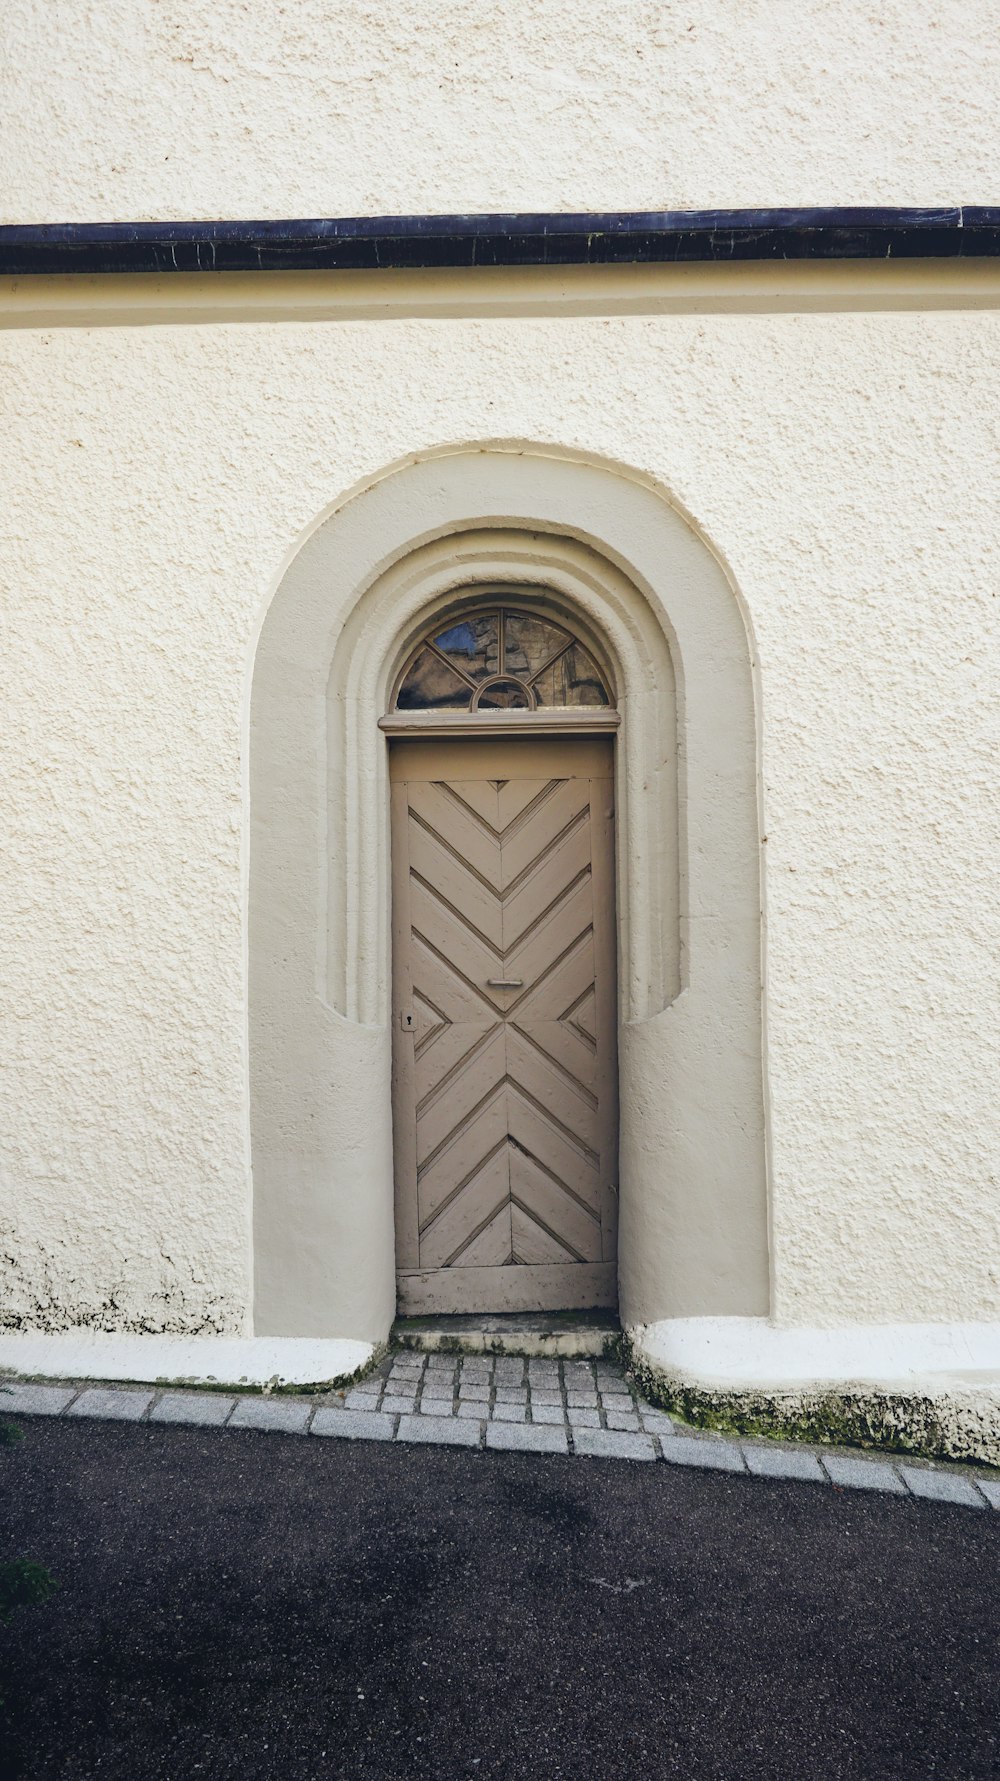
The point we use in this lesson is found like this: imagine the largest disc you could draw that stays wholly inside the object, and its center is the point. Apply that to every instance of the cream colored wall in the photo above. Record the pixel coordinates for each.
(207, 108)
(155, 484)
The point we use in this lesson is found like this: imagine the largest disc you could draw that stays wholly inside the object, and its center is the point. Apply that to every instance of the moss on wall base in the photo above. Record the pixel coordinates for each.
(961, 1420)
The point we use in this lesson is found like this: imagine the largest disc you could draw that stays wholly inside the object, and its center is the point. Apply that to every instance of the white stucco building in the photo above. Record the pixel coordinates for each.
(694, 520)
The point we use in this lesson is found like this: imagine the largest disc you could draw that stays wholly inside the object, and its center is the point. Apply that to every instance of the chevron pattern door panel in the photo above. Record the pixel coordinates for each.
(505, 1011)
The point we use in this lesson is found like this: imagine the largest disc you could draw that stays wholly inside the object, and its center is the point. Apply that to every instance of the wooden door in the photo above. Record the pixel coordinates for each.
(505, 1016)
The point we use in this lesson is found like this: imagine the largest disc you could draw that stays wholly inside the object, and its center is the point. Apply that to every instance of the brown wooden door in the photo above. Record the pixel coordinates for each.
(505, 1015)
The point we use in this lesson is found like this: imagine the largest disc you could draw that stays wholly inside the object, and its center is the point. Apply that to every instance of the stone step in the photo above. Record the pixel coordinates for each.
(591, 1334)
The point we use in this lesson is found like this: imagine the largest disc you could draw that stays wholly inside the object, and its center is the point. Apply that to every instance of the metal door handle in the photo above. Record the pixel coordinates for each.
(505, 982)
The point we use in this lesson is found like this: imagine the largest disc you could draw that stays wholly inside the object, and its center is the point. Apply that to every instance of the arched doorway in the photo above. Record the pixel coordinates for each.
(505, 1011)
(602, 554)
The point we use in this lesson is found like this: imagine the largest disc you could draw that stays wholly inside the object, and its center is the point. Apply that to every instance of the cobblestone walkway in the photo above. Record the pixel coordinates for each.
(584, 1407)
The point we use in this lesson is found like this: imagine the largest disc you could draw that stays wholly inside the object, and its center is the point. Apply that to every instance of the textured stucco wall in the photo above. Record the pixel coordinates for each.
(153, 486)
(207, 108)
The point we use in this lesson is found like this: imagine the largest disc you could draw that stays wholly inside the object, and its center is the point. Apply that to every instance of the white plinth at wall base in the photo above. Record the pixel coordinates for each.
(751, 1353)
(192, 1360)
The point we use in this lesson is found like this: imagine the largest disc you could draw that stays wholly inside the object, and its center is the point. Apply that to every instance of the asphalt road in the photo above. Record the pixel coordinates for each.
(239, 1604)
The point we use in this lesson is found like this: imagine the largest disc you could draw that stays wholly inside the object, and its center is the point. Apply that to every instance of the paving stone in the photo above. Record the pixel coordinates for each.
(508, 1367)
(368, 1388)
(438, 1389)
(942, 1487)
(353, 1425)
(549, 1413)
(204, 1408)
(511, 1394)
(617, 1400)
(509, 1413)
(990, 1490)
(477, 1367)
(657, 1423)
(444, 1430)
(396, 1404)
(281, 1416)
(578, 1373)
(716, 1456)
(545, 1397)
(624, 1420)
(112, 1406)
(474, 1391)
(408, 1363)
(36, 1400)
(525, 1438)
(606, 1444)
(581, 1400)
(361, 1400)
(584, 1419)
(780, 1462)
(478, 1412)
(863, 1474)
(435, 1406)
(442, 1363)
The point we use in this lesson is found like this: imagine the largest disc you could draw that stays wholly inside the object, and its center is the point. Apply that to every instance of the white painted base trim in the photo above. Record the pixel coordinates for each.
(192, 1360)
(753, 1353)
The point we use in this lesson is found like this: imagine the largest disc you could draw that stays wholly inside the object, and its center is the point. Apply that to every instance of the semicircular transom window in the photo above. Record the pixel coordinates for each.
(500, 659)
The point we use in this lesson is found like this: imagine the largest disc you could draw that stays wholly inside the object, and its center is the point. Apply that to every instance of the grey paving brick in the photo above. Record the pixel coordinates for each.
(780, 1462)
(361, 1400)
(353, 1425)
(435, 1406)
(203, 1408)
(581, 1400)
(617, 1400)
(411, 1375)
(606, 1444)
(368, 1388)
(991, 1491)
(525, 1438)
(942, 1487)
(36, 1400)
(578, 1373)
(657, 1422)
(438, 1389)
(508, 1367)
(863, 1474)
(584, 1419)
(477, 1367)
(544, 1396)
(509, 1413)
(511, 1394)
(474, 1391)
(397, 1404)
(625, 1420)
(442, 1363)
(408, 1363)
(548, 1413)
(715, 1456)
(283, 1416)
(112, 1406)
(476, 1412)
(443, 1430)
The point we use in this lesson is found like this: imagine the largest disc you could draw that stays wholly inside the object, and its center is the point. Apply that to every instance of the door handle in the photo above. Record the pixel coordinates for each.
(505, 982)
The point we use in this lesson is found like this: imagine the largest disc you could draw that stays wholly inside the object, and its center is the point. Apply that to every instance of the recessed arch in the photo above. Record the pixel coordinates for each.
(608, 557)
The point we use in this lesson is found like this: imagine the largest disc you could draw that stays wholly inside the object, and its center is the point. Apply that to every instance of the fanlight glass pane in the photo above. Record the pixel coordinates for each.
(529, 643)
(430, 685)
(473, 644)
(571, 680)
(505, 695)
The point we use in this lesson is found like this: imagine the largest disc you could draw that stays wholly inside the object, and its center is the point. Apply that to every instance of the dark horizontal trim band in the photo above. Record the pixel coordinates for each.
(603, 238)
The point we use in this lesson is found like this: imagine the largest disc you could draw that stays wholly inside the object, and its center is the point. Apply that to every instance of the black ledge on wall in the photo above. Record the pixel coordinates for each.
(604, 238)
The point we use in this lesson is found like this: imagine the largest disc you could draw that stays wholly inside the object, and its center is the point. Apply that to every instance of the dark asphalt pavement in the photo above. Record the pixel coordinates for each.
(252, 1605)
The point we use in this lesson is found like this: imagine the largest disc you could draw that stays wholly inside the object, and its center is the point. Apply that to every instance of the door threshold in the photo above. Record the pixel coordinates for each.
(587, 1333)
